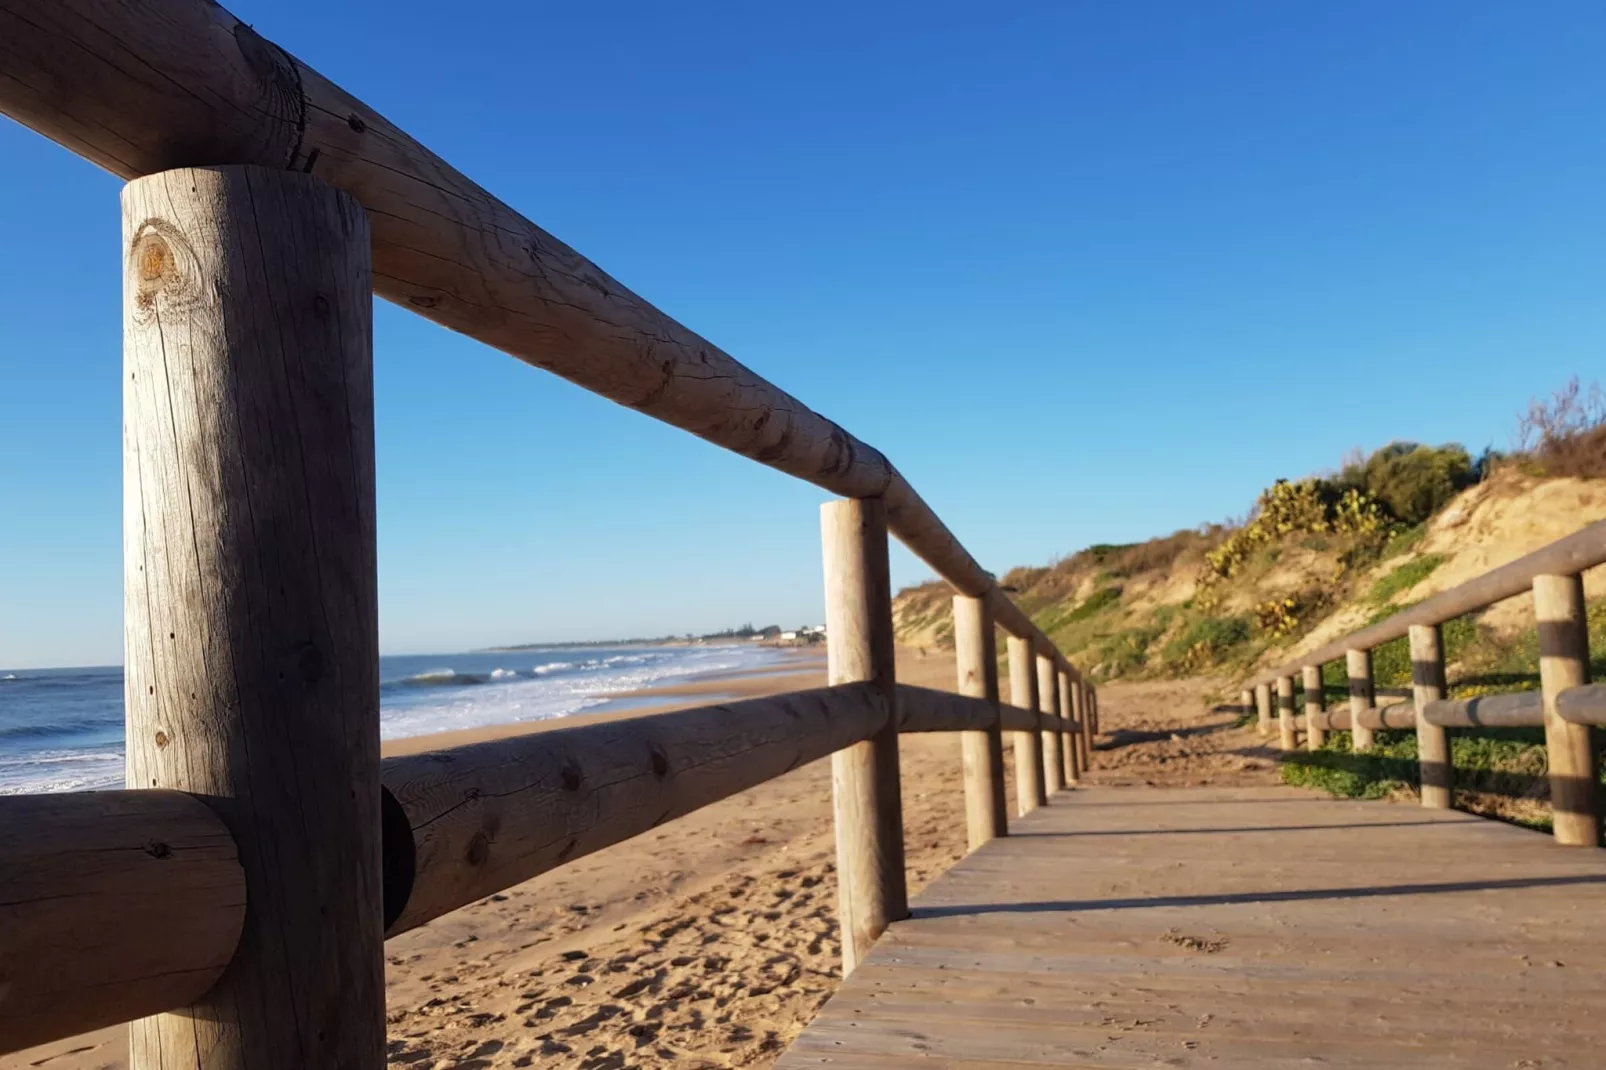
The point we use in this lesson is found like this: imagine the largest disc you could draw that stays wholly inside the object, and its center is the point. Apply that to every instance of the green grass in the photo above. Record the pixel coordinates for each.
(1214, 637)
(1506, 762)
(1510, 763)
(1099, 599)
(1404, 578)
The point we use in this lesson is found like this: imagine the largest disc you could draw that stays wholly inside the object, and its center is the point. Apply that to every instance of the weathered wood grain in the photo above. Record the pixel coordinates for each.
(1053, 732)
(487, 816)
(1072, 748)
(1311, 681)
(113, 905)
(1263, 709)
(925, 709)
(250, 594)
(981, 748)
(1570, 748)
(1254, 928)
(1583, 705)
(1520, 709)
(1432, 741)
(1362, 696)
(1026, 744)
(143, 86)
(1287, 738)
(866, 794)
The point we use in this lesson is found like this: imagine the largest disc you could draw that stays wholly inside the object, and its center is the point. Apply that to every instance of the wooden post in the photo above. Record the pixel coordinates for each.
(1079, 711)
(250, 593)
(1432, 741)
(1286, 739)
(1263, 709)
(1362, 695)
(1314, 706)
(1048, 698)
(1090, 726)
(871, 888)
(1246, 702)
(976, 652)
(1027, 746)
(1072, 749)
(1564, 663)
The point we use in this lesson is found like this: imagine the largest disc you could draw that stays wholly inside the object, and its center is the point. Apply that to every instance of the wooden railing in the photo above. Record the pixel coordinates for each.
(234, 900)
(1566, 705)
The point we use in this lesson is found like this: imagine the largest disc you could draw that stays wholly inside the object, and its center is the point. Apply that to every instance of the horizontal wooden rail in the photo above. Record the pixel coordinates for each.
(1523, 709)
(1583, 705)
(1394, 715)
(1581, 550)
(924, 709)
(143, 86)
(113, 905)
(490, 815)
(136, 897)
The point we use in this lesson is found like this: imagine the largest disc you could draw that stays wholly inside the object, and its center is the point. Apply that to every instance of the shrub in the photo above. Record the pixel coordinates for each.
(1205, 642)
(1566, 436)
(1411, 481)
(1309, 507)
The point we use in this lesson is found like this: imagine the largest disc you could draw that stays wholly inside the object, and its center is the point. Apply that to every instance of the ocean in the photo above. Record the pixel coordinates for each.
(62, 729)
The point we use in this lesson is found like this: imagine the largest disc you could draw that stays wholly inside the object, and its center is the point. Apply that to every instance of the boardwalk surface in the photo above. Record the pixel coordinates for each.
(1249, 927)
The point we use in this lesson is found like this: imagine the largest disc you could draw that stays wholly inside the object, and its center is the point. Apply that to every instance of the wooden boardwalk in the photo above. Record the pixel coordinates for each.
(1265, 927)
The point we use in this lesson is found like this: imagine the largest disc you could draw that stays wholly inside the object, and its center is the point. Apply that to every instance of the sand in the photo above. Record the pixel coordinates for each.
(711, 941)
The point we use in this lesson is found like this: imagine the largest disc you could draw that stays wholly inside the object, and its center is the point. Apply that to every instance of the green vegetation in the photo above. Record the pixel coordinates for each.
(1206, 641)
(1503, 762)
(1507, 763)
(1404, 578)
(1411, 481)
(1104, 596)
(1219, 597)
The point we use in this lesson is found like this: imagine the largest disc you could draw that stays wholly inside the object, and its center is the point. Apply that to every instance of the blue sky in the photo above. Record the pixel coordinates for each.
(1087, 272)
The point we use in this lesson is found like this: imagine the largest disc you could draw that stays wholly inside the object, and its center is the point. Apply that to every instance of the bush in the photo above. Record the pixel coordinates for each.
(1566, 436)
(1412, 481)
(1205, 642)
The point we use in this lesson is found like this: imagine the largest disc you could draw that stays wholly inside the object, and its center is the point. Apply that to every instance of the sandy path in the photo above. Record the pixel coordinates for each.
(709, 942)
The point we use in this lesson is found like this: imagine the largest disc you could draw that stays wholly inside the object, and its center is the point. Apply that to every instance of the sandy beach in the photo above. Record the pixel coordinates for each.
(711, 941)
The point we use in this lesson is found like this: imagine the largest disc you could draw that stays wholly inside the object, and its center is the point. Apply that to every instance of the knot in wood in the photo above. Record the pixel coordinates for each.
(479, 850)
(162, 270)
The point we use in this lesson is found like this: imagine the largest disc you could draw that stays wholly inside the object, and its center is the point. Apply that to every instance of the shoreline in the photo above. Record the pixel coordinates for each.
(709, 941)
(724, 685)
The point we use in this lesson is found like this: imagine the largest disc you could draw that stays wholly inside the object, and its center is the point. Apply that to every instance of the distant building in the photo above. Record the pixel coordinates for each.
(787, 637)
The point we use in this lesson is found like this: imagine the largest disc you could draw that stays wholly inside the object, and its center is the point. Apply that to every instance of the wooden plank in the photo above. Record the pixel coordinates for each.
(1255, 928)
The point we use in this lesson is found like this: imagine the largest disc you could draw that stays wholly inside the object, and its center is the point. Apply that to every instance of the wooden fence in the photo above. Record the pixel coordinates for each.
(233, 902)
(1566, 705)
